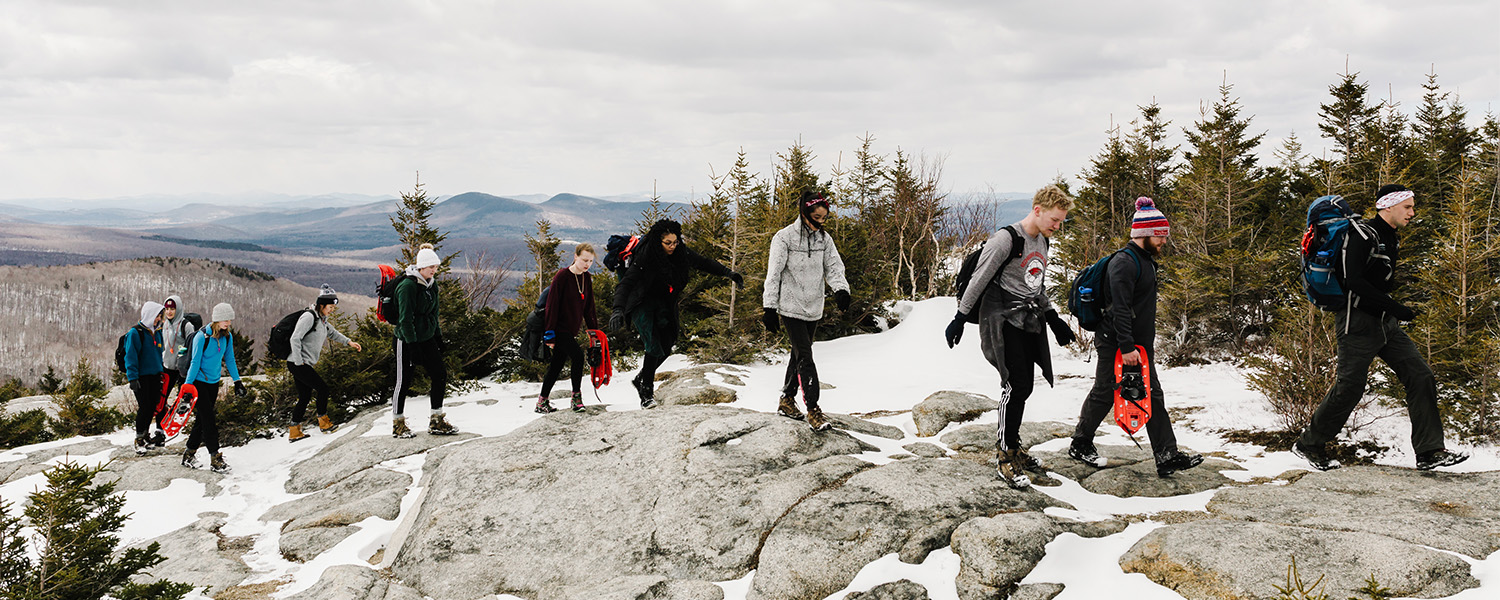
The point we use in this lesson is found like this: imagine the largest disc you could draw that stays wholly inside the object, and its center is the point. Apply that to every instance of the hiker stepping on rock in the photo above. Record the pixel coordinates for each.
(306, 344)
(570, 302)
(143, 355)
(1008, 291)
(419, 341)
(213, 354)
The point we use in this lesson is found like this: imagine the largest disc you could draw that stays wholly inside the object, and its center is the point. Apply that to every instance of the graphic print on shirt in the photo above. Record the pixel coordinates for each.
(1036, 267)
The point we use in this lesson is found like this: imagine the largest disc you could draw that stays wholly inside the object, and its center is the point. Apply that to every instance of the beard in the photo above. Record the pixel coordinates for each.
(1154, 246)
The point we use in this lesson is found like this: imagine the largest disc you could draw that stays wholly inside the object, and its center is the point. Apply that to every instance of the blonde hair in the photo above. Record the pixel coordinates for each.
(1050, 197)
(584, 247)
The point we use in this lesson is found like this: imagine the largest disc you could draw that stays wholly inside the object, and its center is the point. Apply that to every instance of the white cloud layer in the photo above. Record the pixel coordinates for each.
(103, 98)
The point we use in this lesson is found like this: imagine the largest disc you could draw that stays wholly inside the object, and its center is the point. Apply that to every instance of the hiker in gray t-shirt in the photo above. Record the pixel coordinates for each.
(1008, 291)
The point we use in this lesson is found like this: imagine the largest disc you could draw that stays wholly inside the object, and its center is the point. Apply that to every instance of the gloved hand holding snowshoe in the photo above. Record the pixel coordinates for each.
(769, 319)
(955, 330)
(1060, 329)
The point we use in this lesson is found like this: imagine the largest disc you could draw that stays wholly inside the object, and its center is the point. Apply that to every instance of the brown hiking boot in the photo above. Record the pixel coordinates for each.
(788, 408)
(400, 430)
(815, 419)
(294, 434)
(326, 425)
(1029, 462)
(1011, 471)
(438, 424)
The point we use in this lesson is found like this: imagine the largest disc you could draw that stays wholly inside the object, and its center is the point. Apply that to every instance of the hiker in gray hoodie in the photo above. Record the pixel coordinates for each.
(308, 336)
(802, 261)
(172, 321)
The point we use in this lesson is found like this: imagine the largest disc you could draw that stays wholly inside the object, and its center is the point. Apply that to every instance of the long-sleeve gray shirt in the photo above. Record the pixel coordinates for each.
(1024, 277)
(308, 337)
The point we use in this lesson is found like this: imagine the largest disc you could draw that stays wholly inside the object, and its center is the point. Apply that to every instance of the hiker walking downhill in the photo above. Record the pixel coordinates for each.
(143, 370)
(175, 331)
(802, 261)
(570, 302)
(1130, 321)
(648, 294)
(419, 341)
(1370, 326)
(1008, 289)
(213, 354)
(307, 340)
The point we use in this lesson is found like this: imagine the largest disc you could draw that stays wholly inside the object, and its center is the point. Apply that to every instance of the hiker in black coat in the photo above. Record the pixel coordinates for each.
(648, 294)
(1130, 321)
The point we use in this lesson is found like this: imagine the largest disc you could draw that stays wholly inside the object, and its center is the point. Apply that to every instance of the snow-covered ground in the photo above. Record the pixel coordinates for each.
(892, 370)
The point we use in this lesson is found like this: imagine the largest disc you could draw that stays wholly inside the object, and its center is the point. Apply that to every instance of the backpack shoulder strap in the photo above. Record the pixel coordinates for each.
(1017, 245)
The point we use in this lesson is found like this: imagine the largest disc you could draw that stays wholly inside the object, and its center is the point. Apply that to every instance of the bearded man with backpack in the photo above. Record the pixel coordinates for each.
(1130, 321)
(1012, 306)
(1370, 325)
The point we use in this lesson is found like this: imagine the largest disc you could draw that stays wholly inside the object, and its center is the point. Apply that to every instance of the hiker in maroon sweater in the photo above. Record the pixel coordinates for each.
(570, 301)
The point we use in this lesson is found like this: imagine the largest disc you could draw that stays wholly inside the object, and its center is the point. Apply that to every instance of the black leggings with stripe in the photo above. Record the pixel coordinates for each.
(408, 357)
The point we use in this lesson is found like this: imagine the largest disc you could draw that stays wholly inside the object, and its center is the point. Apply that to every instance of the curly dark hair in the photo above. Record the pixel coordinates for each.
(652, 242)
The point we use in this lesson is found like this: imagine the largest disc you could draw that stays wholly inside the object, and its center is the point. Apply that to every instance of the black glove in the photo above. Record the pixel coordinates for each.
(955, 330)
(841, 298)
(1404, 313)
(739, 280)
(772, 324)
(135, 385)
(1060, 329)
(617, 323)
(442, 344)
(239, 388)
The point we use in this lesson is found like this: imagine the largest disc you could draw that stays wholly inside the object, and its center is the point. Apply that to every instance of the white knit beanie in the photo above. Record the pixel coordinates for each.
(223, 312)
(427, 258)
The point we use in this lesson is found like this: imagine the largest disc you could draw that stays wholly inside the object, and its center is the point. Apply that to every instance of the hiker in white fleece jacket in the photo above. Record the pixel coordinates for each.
(803, 260)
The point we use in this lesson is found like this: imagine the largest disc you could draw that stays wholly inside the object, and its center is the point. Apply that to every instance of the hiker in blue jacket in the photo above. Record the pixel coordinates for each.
(213, 354)
(1130, 321)
(802, 262)
(1371, 327)
(143, 370)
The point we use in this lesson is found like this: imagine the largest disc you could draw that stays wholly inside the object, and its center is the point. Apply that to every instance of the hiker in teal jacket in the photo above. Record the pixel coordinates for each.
(143, 370)
(213, 354)
(419, 341)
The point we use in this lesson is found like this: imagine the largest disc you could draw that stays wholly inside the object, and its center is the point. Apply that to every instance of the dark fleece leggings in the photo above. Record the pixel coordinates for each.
(205, 419)
(146, 399)
(800, 370)
(564, 350)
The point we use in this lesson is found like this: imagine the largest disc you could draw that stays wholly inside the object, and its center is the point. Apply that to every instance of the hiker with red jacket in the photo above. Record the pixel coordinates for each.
(419, 341)
(1008, 289)
(311, 331)
(802, 261)
(649, 292)
(570, 301)
(143, 370)
(1130, 321)
(213, 354)
(1370, 327)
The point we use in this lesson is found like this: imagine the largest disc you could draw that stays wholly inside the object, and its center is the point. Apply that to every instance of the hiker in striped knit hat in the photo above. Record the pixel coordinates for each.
(1130, 321)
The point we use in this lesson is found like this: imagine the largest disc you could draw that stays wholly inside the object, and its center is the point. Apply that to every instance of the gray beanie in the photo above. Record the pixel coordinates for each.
(327, 295)
(223, 312)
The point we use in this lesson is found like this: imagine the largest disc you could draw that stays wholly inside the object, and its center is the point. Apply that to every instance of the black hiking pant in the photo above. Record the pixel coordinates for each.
(205, 419)
(307, 381)
(657, 326)
(1100, 403)
(1362, 337)
(147, 396)
(408, 357)
(564, 350)
(800, 370)
(1010, 350)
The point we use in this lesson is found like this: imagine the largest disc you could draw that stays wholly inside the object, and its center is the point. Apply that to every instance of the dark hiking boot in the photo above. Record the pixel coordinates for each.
(1011, 472)
(644, 389)
(159, 438)
(544, 405)
(577, 402)
(1315, 456)
(217, 464)
(190, 459)
(1171, 462)
(1428, 461)
(816, 420)
(1029, 462)
(142, 445)
(438, 424)
(294, 434)
(1087, 454)
(326, 425)
(788, 408)
(399, 430)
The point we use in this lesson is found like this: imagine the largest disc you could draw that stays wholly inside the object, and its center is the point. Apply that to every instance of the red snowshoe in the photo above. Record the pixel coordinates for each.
(601, 366)
(173, 422)
(1132, 394)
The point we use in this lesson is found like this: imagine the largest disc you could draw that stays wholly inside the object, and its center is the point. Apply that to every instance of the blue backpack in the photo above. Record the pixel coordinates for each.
(1089, 295)
(1324, 244)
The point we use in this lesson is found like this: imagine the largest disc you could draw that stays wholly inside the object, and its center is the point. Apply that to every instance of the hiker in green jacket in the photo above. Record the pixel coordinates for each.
(419, 341)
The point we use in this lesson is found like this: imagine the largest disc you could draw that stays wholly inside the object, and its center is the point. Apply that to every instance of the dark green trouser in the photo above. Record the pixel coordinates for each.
(1362, 337)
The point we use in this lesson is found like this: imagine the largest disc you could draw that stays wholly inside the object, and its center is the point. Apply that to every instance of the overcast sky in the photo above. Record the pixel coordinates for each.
(106, 98)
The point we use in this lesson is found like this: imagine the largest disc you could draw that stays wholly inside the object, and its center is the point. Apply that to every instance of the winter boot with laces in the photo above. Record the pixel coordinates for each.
(577, 402)
(438, 425)
(158, 437)
(190, 459)
(1175, 460)
(1087, 454)
(142, 444)
(1011, 472)
(1317, 456)
(815, 419)
(544, 405)
(1428, 461)
(788, 408)
(326, 425)
(400, 430)
(216, 462)
(1029, 462)
(294, 434)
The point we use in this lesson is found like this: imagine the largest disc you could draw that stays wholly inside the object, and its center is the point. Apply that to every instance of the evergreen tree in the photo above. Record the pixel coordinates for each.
(720, 228)
(80, 407)
(1349, 120)
(654, 212)
(413, 228)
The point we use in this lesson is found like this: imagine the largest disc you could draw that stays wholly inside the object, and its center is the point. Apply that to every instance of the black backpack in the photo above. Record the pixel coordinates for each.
(1088, 297)
(120, 348)
(387, 308)
(533, 347)
(618, 250)
(279, 345)
(971, 262)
